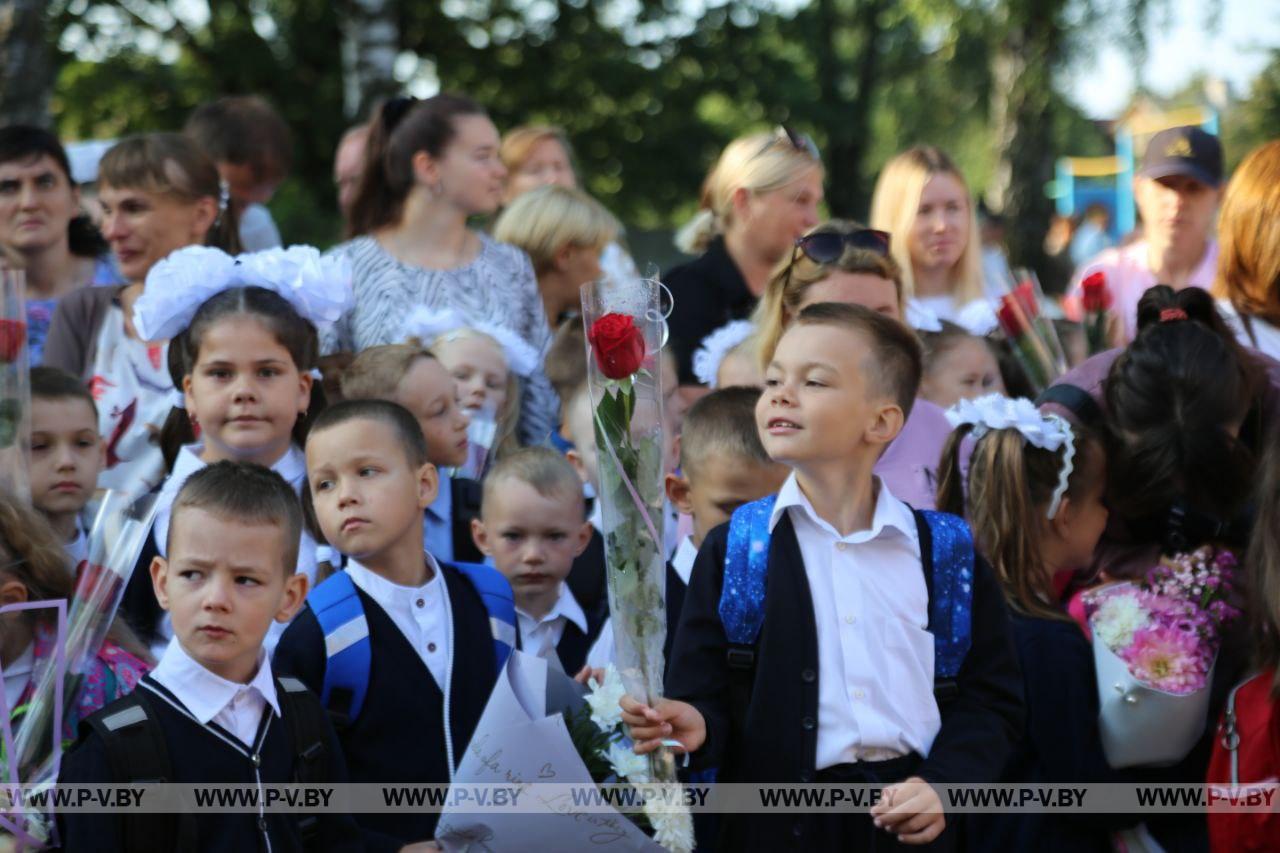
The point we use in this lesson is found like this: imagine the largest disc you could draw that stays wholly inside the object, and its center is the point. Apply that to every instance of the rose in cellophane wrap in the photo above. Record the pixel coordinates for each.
(625, 330)
(15, 391)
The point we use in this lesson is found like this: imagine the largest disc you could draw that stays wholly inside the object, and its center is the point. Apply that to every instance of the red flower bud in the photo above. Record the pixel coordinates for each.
(13, 334)
(618, 345)
(1094, 294)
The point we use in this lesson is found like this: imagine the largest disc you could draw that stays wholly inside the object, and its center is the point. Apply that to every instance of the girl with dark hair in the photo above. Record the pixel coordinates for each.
(159, 193)
(430, 166)
(43, 230)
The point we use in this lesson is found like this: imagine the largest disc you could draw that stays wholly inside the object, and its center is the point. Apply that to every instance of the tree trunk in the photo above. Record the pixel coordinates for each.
(371, 42)
(26, 70)
(848, 123)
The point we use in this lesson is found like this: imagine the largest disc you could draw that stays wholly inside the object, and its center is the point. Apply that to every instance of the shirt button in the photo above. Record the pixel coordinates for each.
(431, 647)
(420, 603)
(808, 724)
(808, 676)
(858, 694)
(262, 824)
(840, 546)
(256, 759)
(849, 620)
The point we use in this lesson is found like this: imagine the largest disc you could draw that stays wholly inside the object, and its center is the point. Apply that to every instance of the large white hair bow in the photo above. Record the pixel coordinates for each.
(317, 286)
(1039, 429)
(429, 325)
(715, 346)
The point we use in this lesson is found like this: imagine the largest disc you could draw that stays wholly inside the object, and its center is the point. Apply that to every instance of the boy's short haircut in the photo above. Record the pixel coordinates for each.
(566, 363)
(545, 220)
(896, 359)
(50, 383)
(377, 372)
(406, 427)
(245, 492)
(243, 130)
(543, 469)
(722, 423)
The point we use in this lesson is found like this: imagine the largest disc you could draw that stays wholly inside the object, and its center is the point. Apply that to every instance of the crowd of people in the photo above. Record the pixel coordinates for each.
(315, 601)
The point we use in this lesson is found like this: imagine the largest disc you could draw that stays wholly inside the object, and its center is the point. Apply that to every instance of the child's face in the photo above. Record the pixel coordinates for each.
(819, 403)
(1083, 519)
(223, 584)
(367, 496)
(739, 367)
(245, 392)
(720, 483)
(67, 454)
(533, 538)
(479, 368)
(428, 391)
(966, 371)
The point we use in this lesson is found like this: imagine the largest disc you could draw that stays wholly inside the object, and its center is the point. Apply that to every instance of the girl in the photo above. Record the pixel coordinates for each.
(430, 166)
(33, 567)
(957, 366)
(43, 231)
(244, 345)
(485, 361)
(761, 195)
(564, 232)
(540, 155)
(728, 357)
(1034, 500)
(159, 193)
(921, 197)
(1248, 280)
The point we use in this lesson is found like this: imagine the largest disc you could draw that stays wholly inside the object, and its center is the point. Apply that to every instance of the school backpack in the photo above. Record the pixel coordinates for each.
(136, 753)
(746, 564)
(338, 609)
(1245, 768)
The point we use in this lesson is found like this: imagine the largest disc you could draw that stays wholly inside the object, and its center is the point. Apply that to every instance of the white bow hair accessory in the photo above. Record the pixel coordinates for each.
(715, 346)
(1039, 429)
(429, 325)
(922, 318)
(317, 286)
(978, 318)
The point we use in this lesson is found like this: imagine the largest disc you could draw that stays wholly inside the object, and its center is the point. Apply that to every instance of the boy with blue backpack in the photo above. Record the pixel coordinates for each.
(830, 633)
(402, 649)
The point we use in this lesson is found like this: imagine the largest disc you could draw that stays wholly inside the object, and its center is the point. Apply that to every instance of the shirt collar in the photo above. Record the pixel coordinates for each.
(292, 466)
(682, 560)
(567, 606)
(890, 513)
(442, 507)
(384, 591)
(202, 692)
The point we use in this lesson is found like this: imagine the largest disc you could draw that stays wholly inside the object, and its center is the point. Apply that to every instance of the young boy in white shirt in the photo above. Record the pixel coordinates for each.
(878, 651)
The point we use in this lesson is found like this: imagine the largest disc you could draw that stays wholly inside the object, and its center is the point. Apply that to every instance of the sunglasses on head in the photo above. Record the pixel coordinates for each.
(799, 141)
(826, 247)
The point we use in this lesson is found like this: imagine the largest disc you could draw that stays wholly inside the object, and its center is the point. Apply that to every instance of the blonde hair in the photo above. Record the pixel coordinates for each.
(1249, 236)
(759, 163)
(784, 293)
(505, 440)
(545, 470)
(517, 145)
(376, 372)
(546, 219)
(896, 202)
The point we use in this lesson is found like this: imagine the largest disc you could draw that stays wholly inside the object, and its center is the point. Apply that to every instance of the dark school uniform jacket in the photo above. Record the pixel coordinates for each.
(465, 506)
(200, 754)
(399, 733)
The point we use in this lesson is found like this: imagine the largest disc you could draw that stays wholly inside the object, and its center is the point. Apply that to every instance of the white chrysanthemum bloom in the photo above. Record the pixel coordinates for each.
(1119, 617)
(626, 764)
(604, 699)
(672, 824)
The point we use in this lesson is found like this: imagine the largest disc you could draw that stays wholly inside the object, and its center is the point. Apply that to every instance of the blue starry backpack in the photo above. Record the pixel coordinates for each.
(746, 565)
(349, 653)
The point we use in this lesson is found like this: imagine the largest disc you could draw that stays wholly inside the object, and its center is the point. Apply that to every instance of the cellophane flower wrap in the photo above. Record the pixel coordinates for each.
(1155, 644)
(45, 723)
(1015, 313)
(625, 331)
(15, 388)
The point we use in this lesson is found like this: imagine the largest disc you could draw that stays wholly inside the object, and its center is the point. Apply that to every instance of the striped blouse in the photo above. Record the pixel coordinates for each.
(498, 287)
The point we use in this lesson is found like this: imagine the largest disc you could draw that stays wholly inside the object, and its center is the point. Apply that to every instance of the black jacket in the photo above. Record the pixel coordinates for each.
(706, 293)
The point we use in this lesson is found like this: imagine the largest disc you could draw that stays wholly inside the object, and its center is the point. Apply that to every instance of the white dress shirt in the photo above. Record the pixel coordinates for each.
(209, 698)
(421, 613)
(871, 609)
(541, 636)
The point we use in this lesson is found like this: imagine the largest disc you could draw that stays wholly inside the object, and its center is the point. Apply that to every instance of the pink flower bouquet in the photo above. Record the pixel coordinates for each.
(1154, 647)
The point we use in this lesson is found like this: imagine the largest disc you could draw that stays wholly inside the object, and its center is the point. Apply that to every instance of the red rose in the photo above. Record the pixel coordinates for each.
(1094, 293)
(618, 345)
(1026, 296)
(13, 334)
(1013, 322)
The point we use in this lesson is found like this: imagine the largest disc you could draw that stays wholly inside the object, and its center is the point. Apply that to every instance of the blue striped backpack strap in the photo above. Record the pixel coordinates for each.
(495, 592)
(951, 597)
(348, 653)
(746, 565)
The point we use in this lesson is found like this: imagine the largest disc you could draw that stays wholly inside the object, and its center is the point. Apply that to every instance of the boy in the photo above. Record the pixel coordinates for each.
(835, 681)
(533, 526)
(212, 711)
(416, 631)
(412, 377)
(67, 454)
(722, 466)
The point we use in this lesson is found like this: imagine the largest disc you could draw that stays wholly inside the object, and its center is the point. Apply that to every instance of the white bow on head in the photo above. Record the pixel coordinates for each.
(317, 286)
(715, 346)
(429, 325)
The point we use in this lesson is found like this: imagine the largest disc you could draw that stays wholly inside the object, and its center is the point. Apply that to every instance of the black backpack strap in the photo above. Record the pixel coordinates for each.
(137, 752)
(305, 718)
(1076, 400)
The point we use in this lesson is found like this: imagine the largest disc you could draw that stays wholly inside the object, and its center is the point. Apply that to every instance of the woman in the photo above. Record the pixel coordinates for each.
(158, 193)
(430, 166)
(921, 197)
(759, 198)
(540, 155)
(1247, 284)
(43, 231)
(843, 262)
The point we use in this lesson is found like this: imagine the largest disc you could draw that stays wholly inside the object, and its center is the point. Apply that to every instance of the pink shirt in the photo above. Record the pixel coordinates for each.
(1128, 277)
